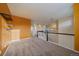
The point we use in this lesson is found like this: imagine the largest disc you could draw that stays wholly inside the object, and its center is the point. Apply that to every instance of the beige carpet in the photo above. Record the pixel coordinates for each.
(37, 47)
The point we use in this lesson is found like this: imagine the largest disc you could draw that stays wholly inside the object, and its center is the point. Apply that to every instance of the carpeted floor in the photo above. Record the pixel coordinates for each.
(37, 47)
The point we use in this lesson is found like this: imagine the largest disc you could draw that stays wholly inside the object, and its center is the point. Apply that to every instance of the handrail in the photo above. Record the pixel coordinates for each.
(47, 32)
(57, 33)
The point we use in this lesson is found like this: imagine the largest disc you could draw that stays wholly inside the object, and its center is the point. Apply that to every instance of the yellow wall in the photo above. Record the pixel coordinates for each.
(18, 22)
(4, 8)
(0, 29)
(4, 34)
(76, 25)
(24, 24)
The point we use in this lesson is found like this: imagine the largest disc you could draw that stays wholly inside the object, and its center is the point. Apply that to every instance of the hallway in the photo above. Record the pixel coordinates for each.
(39, 29)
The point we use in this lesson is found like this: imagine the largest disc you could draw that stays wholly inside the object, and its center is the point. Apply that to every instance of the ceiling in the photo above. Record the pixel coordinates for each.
(41, 12)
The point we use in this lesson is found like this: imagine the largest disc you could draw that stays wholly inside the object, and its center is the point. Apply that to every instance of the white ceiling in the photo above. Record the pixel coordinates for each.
(41, 12)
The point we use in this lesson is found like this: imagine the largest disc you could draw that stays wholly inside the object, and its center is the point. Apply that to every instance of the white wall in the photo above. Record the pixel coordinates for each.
(66, 26)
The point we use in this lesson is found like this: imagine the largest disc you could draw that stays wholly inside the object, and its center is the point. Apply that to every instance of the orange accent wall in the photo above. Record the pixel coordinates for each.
(24, 24)
(4, 33)
(0, 29)
(76, 25)
(4, 8)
